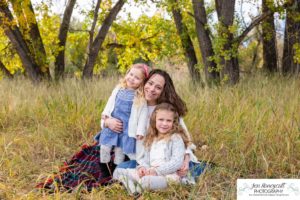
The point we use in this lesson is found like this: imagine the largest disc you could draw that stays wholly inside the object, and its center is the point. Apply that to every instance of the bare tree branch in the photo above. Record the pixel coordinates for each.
(99, 39)
(117, 45)
(257, 21)
(254, 23)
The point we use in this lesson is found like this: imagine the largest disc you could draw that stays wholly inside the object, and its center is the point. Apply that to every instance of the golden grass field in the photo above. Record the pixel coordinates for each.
(251, 130)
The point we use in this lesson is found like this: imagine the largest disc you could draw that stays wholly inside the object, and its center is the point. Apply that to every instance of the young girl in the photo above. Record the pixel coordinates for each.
(127, 104)
(165, 145)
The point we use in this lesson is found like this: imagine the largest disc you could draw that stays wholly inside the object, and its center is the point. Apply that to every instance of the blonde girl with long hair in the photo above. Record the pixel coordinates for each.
(127, 104)
(165, 146)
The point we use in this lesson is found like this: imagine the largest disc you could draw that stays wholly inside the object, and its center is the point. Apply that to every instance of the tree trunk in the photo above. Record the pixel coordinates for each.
(187, 44)
(291, 37)
(269, 41)
(205, 44)
(5, 70)
(97, 43)
(62, 37)
(230, 65)
(29, 29)
(16, 38)
(40, 52)
(92, 31)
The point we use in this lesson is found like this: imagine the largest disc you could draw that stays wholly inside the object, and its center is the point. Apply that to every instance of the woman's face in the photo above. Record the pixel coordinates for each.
(153, 89)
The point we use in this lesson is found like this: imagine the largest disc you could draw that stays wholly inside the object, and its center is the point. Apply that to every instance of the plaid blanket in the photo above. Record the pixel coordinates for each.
(82, 170)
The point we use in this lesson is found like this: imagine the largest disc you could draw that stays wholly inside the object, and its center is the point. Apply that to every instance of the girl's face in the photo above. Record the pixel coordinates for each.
(134, 78)
(164, 121)
(153, 88)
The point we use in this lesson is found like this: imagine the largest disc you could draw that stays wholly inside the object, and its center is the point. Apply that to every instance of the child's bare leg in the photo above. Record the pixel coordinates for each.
(105, 153)
(119, 156)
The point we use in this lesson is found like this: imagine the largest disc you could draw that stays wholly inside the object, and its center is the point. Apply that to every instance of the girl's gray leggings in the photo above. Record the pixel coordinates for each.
(133, 183)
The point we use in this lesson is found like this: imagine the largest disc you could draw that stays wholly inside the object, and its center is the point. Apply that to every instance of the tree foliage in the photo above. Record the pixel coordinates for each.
(8, 56)
(148, 38)
(25, 38)
(37, 41)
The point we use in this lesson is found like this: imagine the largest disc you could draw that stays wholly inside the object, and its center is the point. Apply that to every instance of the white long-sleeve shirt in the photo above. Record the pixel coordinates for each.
(165, 156)
(140, 146)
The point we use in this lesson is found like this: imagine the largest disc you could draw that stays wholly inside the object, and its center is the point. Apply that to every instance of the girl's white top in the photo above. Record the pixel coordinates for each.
(140, 147)
(165, 156)
(157, 153)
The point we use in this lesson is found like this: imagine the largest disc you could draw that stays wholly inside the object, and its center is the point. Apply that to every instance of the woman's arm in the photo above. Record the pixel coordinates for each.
(185, 166)
(142, 121)
(189, 155)
(182, 124)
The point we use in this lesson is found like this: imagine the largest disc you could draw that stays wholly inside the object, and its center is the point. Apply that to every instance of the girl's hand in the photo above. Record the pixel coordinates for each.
(114, 124)
(139, 137)
(141, 171)
(185, 167)
(151, 172)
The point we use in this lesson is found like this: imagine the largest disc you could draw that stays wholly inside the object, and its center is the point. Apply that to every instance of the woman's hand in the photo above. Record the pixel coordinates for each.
(185, 167)
(139, 137)
(141, 171)
(114, 124)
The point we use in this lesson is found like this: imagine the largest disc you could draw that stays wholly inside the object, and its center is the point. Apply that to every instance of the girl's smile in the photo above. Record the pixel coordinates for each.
(164, 121)
(134, 78)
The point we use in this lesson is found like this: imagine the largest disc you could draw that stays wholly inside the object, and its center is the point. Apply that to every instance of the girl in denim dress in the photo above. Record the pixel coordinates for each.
(127, 104)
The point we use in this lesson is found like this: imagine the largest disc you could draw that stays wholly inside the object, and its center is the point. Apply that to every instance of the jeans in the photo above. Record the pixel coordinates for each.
(128, 164)
(196, 169)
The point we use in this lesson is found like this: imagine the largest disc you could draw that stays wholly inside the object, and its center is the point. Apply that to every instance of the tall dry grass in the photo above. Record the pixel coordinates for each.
(250, 130)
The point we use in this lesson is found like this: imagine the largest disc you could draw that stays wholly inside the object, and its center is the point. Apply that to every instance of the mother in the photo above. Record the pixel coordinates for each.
(158, 88)
(85, 169)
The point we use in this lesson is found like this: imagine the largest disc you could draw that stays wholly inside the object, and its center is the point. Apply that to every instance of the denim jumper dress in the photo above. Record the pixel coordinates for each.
(122, 110)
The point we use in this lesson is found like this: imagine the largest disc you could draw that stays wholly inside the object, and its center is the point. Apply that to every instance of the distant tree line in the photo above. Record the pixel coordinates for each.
(213, 49)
